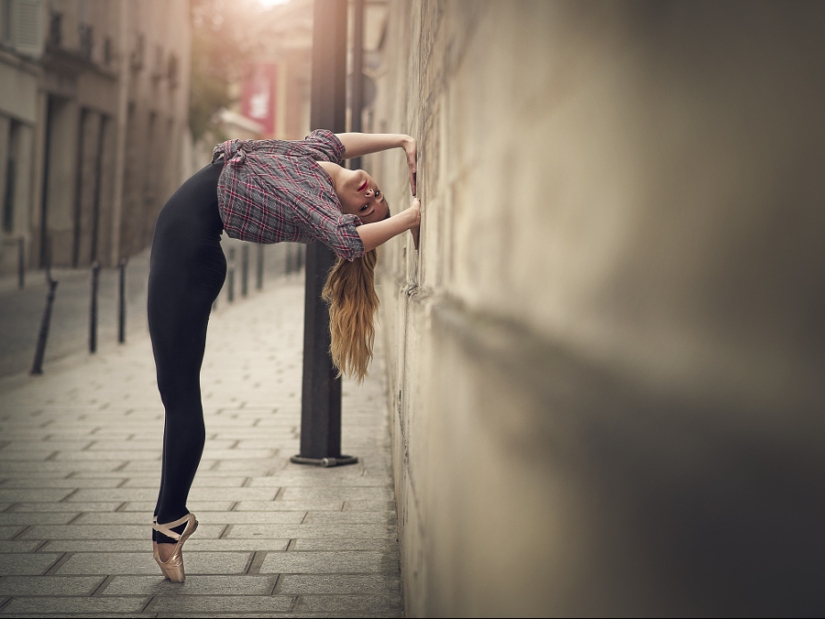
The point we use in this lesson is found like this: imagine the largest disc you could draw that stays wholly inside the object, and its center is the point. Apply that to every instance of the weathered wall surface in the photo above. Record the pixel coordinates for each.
(606, 360)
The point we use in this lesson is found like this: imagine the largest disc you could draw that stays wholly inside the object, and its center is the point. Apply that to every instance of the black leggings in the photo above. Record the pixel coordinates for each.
(187, 270)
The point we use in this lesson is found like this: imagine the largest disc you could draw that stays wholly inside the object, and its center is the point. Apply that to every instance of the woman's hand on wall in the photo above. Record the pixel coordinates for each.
(410, 147)
(415, 219)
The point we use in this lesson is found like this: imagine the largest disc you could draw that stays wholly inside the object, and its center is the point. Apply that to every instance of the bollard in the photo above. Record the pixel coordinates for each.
(21, 263)
(259, 279)
(40, 350)
(121, 314)
(231, 275)
(244, 269)
(93, 308)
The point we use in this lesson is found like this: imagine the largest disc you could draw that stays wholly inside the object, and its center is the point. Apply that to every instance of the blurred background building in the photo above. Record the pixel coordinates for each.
(93, 122)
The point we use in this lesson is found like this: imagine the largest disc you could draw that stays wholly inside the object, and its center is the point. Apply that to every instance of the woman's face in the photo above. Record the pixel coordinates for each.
(359, 195)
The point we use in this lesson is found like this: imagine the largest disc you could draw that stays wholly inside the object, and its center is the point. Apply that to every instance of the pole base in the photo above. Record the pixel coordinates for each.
(325, 462)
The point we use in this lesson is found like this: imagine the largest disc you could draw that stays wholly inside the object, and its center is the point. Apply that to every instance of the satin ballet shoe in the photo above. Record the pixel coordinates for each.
(172, 568)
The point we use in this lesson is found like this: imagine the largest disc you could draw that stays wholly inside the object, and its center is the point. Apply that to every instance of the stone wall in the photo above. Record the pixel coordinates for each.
(606, 360)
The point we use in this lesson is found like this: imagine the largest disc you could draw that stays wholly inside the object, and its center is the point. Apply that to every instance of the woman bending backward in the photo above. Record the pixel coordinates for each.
(263, 191)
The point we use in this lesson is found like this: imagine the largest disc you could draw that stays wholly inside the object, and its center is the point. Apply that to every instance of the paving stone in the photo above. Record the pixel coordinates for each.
(194, 585)
(9, 532)
(86, 563)
(260, 467)
(26, 456)
(212, 604)
(336, 604)
(49, 585)
(67, 507)
(60, 469)
(263, 443)
(34, 495)
(72, 482)
(369, 506)
(88, 495)
(387, 545)
(29, 564)
(286, 506)
(312, 481)
(232, 494)
(250, 545)
(264, 517)
(77, 531)
(237, 454)
(344, 494)
(48, 446)
(18, 546)
(376, 584)
(23, 519)
(144, 467)
(101, 545)
(76, 456)
(385, 517)
(309, 531)
(82, 606)
(323, 563)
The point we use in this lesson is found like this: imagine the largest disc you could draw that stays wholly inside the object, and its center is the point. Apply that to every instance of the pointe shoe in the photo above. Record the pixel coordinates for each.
(172, 568)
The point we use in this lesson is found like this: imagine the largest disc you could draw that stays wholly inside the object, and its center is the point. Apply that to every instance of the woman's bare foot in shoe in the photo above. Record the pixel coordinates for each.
(165, 551)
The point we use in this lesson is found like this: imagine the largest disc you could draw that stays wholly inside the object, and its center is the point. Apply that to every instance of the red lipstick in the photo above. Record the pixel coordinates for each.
(363, 186)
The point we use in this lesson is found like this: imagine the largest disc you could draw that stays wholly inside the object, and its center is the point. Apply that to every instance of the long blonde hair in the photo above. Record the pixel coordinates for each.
(350, 292)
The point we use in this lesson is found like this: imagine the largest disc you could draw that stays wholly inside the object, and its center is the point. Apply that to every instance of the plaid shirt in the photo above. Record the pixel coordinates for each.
(272, 191)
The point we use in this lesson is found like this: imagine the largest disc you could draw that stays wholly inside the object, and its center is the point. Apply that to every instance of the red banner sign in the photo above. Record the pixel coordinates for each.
(258, 95)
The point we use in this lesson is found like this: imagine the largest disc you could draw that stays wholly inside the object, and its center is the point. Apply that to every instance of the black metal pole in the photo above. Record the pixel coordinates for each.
(357, 86)
(230, 279)
(259, 279)
(43, 336)
(21, 263)
(93, 308)
(121, 314)
(321, 388)
(244, 270)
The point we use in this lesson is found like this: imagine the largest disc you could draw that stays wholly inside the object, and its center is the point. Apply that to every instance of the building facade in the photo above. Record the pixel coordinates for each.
(93, 120)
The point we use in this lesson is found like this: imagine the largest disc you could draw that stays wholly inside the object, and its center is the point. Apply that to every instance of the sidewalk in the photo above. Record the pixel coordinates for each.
(79, 469)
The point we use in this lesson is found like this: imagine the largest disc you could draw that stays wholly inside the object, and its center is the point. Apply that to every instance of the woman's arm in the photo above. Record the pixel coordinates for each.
(358, 144)
(378, 233)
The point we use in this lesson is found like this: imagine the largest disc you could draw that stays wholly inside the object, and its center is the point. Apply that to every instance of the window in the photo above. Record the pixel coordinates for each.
(11, 177)
(5, 21)
(20, 26)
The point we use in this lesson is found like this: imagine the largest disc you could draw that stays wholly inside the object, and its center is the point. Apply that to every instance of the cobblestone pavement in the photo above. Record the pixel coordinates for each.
(79, 469)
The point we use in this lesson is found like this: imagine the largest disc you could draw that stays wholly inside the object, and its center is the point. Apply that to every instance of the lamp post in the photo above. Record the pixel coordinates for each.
(321, 388)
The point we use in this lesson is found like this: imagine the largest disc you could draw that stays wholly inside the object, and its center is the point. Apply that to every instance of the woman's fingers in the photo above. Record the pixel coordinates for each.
(415, 211)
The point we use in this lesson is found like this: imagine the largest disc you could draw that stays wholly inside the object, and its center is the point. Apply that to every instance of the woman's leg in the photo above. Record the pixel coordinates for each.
(186, 273)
